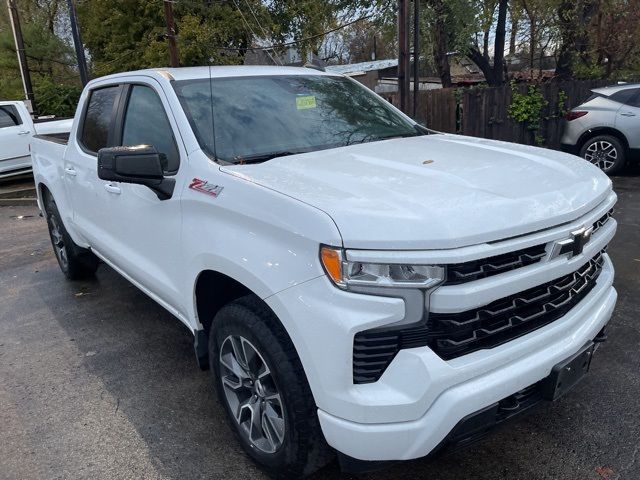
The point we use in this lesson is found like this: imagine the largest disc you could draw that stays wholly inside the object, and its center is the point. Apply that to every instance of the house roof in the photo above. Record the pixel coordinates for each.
(362, 66)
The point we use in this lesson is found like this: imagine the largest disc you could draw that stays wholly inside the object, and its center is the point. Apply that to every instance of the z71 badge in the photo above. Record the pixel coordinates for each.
(205, 187)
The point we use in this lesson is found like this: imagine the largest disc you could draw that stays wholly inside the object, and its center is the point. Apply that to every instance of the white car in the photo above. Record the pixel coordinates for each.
(16, 130)
(356, 283)
(605, 129)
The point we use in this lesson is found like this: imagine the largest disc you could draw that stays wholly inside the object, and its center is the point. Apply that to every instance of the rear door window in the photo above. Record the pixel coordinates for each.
(635, 101)
(145, 123)
(98, 118)
(9, 116)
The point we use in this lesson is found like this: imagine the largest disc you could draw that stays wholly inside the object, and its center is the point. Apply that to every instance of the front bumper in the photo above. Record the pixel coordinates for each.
(420, 398)
(530, 364)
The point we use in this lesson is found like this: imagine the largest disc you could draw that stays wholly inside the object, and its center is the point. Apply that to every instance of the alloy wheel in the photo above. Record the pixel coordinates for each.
(252, 394)
(602, 154)
(58, 241)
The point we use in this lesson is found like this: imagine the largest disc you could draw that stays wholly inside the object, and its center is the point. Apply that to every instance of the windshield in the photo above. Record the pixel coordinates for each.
(252, 119)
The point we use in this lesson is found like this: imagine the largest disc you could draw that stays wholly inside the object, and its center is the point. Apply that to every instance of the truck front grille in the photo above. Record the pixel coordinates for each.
(452, 335)
(602, 220)
(486, 267)
(458, 273)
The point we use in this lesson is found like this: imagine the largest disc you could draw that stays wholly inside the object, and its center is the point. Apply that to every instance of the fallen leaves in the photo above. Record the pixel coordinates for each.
(605, 472)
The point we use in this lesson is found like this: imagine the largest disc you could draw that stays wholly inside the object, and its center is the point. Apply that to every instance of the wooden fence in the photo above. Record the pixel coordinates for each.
(484, 111)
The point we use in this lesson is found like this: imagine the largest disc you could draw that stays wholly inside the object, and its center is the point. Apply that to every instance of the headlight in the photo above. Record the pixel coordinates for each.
(345, 273)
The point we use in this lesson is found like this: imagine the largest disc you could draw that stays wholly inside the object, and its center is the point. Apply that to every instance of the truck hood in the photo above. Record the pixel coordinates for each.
(435, 191)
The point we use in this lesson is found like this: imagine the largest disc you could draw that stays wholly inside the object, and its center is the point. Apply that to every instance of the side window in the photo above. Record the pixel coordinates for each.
(635, 101)
(146, 123)
(98, 116)
(9, 116)
(625, 96)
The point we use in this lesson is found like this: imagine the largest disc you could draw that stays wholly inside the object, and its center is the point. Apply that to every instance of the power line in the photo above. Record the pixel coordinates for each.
(260, 26)
(295, 42)
(251, 30)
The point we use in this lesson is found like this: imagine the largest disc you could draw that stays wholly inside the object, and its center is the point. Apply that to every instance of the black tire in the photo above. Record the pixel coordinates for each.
(75, 262)
(303, 449)
(606, 152)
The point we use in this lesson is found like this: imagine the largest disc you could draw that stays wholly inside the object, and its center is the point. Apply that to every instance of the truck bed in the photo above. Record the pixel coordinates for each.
(60, 138)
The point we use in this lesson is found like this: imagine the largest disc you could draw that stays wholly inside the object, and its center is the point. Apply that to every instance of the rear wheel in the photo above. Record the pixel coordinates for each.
(75, 262)
(260, 381)
(606, 152)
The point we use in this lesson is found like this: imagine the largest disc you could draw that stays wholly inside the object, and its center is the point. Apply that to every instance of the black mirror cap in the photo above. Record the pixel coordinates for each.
(131, 163)
(140, 164)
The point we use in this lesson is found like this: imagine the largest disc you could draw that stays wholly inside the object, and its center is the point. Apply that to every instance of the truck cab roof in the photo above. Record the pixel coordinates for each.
(194, 73)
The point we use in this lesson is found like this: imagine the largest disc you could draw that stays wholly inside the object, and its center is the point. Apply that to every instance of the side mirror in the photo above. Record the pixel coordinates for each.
(141, 165)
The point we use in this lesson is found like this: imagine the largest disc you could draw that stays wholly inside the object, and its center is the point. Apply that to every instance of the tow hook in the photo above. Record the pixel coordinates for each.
(602, 336)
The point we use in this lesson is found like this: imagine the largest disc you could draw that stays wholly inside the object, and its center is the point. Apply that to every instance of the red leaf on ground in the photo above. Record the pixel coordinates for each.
(604, 472)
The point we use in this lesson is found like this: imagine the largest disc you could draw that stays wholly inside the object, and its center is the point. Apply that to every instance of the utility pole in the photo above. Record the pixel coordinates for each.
(171, 33)
(416, 55)
(77, 42)
(403, 54)
(20, 51)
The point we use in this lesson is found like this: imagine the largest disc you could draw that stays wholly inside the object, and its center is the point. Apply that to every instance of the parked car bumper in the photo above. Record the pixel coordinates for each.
(569, 148)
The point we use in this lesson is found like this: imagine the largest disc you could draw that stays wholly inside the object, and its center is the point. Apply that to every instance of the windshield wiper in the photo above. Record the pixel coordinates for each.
(422, 130)
(401, 135)
(262, 157)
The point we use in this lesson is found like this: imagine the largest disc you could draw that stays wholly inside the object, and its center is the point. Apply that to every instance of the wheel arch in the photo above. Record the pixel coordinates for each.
(594, 132)
(212, 290)
(42, 190)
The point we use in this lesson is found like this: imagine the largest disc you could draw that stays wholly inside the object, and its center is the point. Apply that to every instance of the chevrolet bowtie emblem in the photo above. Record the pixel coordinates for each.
(573, 245)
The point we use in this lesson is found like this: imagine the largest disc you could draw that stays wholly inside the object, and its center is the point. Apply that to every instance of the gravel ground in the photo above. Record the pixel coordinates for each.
(98, 382)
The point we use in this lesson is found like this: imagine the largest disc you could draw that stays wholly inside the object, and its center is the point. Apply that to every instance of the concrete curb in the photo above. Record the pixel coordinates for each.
(18, 202)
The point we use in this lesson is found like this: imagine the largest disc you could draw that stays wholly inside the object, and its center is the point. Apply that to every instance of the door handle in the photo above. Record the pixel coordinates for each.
(111, 188)
(627, 114)
(70, 171)
(24, 132)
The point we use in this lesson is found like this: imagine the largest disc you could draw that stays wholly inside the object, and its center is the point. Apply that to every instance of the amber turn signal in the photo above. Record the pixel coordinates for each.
(332, 263)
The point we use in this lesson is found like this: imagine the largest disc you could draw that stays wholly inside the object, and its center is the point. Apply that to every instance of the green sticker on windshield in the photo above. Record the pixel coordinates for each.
(303, 103)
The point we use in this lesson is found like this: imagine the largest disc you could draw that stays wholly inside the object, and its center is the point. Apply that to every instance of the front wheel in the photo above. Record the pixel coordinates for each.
(260, 381)
(605, 152)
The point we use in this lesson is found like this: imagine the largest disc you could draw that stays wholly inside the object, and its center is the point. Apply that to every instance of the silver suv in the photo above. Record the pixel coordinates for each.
(605, 129)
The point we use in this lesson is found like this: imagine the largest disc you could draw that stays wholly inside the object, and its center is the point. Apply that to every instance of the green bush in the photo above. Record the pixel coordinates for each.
(527, 108)
(56, 99)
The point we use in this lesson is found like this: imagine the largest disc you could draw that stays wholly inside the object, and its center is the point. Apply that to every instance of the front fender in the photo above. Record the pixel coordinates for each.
(266, 241)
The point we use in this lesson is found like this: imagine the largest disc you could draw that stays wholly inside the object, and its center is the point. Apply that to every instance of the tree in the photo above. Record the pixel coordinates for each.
(541, 27)
(51, 61)
(598, 38)
(367, 40)
(441, 40)
(494, 72)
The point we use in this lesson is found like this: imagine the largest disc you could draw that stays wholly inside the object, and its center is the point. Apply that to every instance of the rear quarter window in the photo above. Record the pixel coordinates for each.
(625, 97)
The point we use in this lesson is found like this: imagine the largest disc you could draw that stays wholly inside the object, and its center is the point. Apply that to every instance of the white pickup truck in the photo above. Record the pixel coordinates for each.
(356, 283)
(16, 130)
